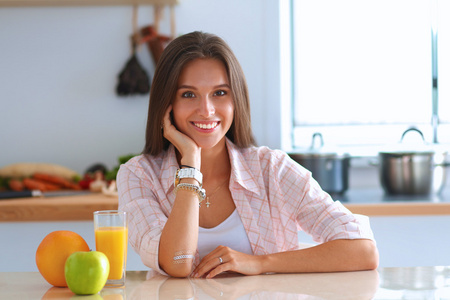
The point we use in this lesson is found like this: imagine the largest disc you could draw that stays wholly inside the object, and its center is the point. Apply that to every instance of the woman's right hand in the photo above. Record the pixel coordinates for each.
(189, 150)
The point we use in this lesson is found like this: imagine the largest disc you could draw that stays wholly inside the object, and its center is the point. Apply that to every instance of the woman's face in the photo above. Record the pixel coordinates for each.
(203, 107)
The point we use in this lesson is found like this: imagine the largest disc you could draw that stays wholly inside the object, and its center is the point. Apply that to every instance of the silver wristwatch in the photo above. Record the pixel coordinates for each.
(188, 173)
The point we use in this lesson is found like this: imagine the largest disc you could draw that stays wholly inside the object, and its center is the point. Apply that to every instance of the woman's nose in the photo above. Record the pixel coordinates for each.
(206, 108)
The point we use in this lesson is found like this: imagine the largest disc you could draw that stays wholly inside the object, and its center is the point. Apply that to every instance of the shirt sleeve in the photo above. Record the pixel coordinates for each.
(146, 218)
(317, 213)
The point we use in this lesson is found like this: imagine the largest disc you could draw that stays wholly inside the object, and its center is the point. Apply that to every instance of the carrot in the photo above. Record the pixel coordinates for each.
(35, 184)
(16, 185)
(56, 180)
(23, 170)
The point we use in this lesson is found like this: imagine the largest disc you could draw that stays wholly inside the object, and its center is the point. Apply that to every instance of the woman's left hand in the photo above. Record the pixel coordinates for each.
(224, 259)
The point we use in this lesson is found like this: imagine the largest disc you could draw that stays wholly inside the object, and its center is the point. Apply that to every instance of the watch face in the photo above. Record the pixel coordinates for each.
(188, 173)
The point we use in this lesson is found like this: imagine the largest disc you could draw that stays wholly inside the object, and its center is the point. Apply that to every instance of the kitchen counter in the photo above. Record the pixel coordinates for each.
(385, 283)
(67, 208)
(374, 202)
(370, 202)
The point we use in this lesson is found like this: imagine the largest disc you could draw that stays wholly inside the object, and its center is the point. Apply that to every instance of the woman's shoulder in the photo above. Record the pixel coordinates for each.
(263, 156)
(264, 153)
(273, 161)
(145, 163)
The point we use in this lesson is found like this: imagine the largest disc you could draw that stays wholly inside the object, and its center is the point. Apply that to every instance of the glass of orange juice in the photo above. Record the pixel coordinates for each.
(111, 238)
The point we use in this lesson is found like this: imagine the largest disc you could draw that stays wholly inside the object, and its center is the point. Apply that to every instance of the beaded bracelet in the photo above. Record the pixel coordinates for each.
(193, 188)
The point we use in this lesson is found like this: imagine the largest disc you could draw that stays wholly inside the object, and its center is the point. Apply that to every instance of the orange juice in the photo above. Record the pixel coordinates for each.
(112, 241)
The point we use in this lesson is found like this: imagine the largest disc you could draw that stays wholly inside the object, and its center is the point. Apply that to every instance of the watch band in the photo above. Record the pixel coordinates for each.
(188, 173)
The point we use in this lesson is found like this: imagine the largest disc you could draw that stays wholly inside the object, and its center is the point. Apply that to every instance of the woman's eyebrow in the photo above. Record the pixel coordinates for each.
(190, 87)
(184, 86)
(226, 85)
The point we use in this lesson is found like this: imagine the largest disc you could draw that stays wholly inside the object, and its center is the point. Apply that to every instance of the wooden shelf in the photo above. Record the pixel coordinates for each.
(24, 3)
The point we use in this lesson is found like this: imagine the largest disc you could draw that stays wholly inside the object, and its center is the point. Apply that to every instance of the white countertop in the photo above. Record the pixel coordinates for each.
(385, 283)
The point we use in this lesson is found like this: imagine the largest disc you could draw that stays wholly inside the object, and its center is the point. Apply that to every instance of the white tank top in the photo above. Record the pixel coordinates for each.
(230, 233)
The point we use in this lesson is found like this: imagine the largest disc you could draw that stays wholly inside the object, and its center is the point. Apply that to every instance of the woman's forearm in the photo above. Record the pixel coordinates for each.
(179, 237)
(333, 256)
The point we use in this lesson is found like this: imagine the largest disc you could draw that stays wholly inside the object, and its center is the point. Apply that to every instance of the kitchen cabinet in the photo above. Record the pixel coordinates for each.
(18, 3)
(403, 241)
(408, 233)
(408, 241)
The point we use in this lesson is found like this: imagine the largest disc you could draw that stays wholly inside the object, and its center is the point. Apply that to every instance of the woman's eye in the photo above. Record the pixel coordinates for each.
(187, 95)
(221, 93)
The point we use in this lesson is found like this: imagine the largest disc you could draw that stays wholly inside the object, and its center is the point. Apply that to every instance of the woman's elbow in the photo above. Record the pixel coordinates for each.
(370, 256)
(179, 270)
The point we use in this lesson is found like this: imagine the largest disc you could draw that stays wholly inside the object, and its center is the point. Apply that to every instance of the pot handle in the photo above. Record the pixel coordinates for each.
(444, 164)
(313, 143)
(412, 129)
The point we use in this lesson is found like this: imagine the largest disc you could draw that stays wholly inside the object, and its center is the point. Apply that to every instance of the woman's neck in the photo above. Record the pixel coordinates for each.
(216, 163)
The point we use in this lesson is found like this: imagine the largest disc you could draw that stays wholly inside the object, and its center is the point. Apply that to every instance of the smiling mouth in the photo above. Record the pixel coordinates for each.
(211, 125)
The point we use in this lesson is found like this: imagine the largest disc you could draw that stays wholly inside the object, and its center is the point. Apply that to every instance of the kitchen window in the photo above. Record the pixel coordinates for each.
(364, 71)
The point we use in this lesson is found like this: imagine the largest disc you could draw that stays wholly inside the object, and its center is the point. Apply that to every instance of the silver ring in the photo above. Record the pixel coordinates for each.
(220, 260)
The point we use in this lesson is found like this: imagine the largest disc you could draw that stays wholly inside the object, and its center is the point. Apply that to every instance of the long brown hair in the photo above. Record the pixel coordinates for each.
(180, 51)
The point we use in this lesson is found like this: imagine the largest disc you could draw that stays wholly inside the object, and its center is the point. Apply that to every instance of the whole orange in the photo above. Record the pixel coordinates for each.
(53, 251)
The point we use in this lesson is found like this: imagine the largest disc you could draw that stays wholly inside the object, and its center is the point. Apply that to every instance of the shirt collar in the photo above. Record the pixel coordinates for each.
(240, 170)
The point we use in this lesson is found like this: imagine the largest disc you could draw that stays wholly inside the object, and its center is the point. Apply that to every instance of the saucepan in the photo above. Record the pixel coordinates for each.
(329, 169)
(417, 170)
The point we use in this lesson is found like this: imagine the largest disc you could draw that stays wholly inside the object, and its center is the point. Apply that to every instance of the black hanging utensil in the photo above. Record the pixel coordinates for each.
(133, 79)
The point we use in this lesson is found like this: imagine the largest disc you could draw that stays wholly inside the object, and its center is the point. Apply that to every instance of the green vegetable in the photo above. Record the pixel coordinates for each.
(123, 159)
(4, 183)
(111, 175)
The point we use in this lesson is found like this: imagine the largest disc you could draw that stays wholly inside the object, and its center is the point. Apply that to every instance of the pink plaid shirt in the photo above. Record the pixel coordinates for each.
(274, 196)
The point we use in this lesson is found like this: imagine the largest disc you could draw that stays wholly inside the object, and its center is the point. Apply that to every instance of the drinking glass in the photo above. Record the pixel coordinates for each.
(111, 238)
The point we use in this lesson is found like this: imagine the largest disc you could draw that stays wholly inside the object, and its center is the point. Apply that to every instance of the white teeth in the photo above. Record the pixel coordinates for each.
(206, 126)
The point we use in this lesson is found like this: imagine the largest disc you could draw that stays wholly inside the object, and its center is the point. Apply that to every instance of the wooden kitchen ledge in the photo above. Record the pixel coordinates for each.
(400, 208)
(67, 208)
(81, 207)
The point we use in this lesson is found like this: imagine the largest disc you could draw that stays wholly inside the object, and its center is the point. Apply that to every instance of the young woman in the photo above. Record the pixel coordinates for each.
(203, 199)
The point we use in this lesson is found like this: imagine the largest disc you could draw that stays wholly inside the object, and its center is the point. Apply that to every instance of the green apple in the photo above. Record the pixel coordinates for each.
(86, 272)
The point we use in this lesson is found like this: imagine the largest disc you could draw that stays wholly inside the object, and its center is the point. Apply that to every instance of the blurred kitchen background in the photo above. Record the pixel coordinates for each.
(311, 66)
(359, 72)
(59, 69)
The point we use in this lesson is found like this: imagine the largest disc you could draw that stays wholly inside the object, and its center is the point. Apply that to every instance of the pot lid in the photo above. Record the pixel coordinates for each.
(413, 145)
(317, 149)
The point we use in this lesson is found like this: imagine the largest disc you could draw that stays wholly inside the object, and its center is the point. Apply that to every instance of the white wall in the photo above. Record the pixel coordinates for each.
(59, 67)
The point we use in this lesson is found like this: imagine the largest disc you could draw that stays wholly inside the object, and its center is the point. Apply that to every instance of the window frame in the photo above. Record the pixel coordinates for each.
(300, 135)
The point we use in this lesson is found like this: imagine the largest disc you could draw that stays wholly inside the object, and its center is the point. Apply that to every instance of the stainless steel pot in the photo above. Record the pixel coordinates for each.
(412, 172)
(330, 170)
